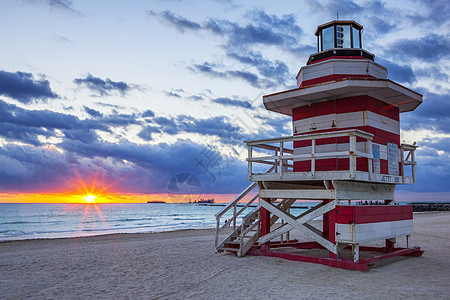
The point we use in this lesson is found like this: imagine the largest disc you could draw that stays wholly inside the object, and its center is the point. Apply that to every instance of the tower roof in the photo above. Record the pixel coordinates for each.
(381, 89)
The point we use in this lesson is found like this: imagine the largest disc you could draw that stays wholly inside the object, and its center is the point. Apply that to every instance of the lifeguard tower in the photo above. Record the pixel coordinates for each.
(345, 153)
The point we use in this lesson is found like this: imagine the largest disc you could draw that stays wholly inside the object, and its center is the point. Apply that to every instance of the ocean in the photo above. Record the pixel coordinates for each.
(19, 221)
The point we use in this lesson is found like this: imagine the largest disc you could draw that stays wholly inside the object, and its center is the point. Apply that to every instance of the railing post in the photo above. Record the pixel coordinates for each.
(413, 166)
(249, 174)
(276, 161)
(281, 160)
(352, 153)
(216, 243)
(402, 163)
(313, 158)
(234, 216)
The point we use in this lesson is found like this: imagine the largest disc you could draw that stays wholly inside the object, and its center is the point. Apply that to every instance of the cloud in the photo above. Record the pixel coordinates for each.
(211, 70)
(60, 5)
(430, 12)
(147, 131)
(231, 102)
(26, 126)
(172, 94)
(102, 87)
(150, 167)
(24, 88)
(432, 114)
(92, 112)
(270, 69)
(179, 23)
(396, 72)
(430, 48)
(148, 114)
(258, 29)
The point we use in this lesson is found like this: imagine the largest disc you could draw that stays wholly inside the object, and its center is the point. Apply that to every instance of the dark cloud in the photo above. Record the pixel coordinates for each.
(261, 28)
(167, 125)
(148, 114)
(23, 125)
(24, 134)
(435, 72)
(147, 131)
(432, 114)
(429, 48)
(24, 87)
(152, 166)
(433, 169)
(232, 102)
(33, 169)
(13, 114)
(92, 112)
(396, 72)
(102, 87)
(277, 70)
(430, 13)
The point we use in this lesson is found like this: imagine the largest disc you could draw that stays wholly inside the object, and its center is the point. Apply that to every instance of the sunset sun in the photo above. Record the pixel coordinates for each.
(90, 198)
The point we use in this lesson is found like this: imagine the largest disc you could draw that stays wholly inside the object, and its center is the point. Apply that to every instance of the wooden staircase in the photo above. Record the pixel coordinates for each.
(244, 236)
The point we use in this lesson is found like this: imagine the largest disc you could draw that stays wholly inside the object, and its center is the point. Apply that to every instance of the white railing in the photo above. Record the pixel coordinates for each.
(282, 156)
(409, 160)
(234, 204)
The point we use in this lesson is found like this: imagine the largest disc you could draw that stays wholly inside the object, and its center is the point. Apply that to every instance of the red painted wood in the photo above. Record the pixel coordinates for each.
(340, 164)
(332, 77)
(348, 264)
(373, 213)
(389, 246)
(380, 137)
(414, 251)
(346, 105)
(332, 262)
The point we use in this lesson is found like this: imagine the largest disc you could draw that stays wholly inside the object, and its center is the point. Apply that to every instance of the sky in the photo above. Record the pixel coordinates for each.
(127, 97)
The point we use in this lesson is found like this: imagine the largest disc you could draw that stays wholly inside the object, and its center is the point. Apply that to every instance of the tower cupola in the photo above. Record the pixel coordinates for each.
(339, 38)
(338, 34)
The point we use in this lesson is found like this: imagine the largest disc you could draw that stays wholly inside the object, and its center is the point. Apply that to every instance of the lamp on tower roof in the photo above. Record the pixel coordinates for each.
(339, 38)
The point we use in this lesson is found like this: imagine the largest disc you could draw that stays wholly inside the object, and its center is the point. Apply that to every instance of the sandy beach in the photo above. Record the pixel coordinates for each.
(182, 264)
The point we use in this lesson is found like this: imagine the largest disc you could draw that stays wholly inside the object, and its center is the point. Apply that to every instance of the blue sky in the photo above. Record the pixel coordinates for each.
(136, 92)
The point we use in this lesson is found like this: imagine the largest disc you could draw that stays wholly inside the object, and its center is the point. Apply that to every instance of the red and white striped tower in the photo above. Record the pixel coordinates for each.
(345, 152)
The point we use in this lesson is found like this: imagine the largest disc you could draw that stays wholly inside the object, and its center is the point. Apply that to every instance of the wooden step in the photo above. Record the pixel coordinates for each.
(228, 249)
(236, 242)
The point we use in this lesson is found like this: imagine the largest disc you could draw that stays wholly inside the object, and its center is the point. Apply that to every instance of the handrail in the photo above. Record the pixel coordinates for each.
(280, 159)
(409, 160)
(283, 157)
(233, 204)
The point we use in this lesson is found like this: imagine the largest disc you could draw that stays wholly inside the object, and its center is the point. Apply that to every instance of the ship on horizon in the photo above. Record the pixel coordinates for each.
(204, 201)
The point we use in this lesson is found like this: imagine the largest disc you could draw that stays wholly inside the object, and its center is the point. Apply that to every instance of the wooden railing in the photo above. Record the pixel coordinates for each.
(409, 160)
(282, 157)
(234, 205)
(283, 154)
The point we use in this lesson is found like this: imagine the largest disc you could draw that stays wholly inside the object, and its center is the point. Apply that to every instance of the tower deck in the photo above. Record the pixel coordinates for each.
(355, 153)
